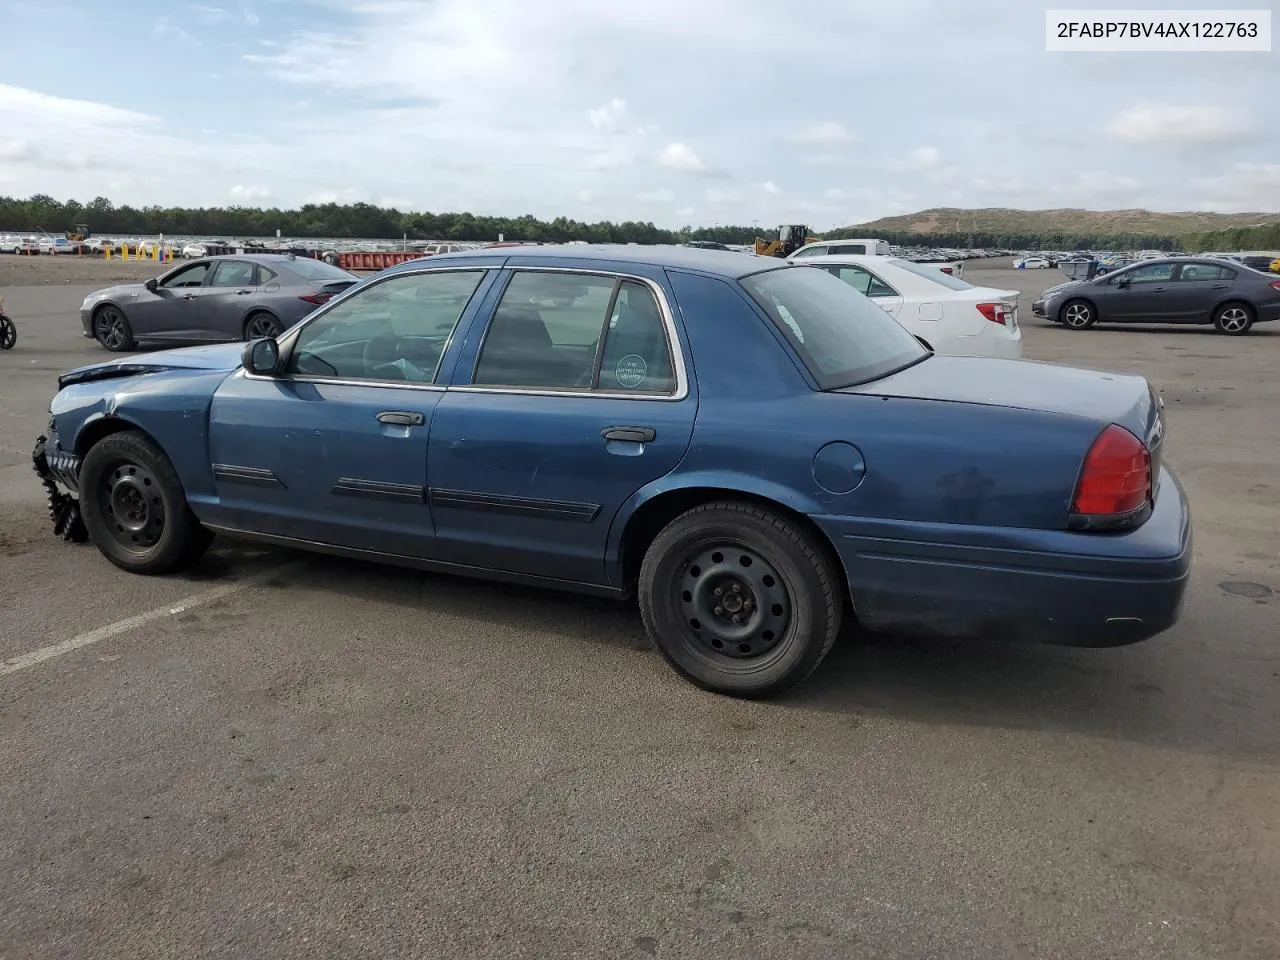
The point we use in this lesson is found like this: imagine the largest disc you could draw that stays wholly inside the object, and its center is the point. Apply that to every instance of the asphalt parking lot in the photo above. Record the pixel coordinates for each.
(279, 755)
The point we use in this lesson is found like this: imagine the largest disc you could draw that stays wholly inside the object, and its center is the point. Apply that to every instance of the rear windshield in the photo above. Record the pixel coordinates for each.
(931, 272)
(310, 269)
(842, 337)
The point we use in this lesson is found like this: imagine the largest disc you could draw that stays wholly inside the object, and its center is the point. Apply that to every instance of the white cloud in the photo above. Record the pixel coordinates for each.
(686, 212)
(724, 196)
(247, 194)
(656, 196)
(609, 117)
(166, 29)
(677, 156)
(925, 158)
(770, 187)
(828, 131)
(1243, 188)
(1167, 124)
(835, 193)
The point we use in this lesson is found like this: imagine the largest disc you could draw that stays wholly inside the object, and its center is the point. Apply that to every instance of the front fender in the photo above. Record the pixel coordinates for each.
(172, 407)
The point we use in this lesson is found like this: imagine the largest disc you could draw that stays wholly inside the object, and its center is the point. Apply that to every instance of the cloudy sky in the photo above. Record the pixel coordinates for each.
(828, 112)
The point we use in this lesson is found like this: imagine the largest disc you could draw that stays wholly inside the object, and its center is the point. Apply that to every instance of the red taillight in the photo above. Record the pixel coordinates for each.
(946, 270)
(1276, 285)
(996, 312)
(1116, 477)
(316, 298)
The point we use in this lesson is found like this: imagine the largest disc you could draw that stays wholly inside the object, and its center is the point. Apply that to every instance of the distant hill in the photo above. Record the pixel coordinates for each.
(1097, 223)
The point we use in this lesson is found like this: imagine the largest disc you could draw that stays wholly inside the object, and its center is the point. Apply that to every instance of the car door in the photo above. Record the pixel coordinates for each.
(226, 299)
(1197, 289)
(1141, 294)
(334, 449)
(172, 308)
(870, 285)
(571, 395)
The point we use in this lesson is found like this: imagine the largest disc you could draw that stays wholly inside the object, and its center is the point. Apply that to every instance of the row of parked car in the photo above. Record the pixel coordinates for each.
(755, 451)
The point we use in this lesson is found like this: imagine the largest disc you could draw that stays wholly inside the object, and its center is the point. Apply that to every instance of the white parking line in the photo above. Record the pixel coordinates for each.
(26, 660)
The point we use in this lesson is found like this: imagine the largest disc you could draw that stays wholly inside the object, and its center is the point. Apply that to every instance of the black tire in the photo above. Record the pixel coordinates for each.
(135, 509)
(1078, 315)
(261, 324)
(8, 333)
(1233, 319)
(112, 330)
(774, 648)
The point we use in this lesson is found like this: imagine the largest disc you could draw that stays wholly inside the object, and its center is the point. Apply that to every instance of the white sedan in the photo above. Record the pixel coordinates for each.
(951, 315)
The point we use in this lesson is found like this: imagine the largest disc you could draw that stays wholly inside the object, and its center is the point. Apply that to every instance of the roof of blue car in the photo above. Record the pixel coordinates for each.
(723, 263)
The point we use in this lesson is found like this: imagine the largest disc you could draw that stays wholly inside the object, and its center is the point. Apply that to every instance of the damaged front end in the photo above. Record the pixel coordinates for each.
(54, 466)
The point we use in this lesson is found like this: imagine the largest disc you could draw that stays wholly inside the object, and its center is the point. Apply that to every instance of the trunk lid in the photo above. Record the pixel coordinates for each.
(1102, 397)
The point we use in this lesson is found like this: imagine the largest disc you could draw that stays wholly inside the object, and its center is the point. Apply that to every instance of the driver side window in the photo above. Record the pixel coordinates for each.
(192, 276)
(393, 330)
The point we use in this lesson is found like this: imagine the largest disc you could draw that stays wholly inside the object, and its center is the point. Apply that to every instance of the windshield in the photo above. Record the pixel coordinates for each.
(310, 269)
(842, 337)
(931, 272)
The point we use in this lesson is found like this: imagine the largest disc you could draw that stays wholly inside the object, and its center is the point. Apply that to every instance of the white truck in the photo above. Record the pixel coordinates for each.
(865, 247)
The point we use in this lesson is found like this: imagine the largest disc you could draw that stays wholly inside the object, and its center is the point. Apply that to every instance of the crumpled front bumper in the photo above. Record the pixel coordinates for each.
(55, 467)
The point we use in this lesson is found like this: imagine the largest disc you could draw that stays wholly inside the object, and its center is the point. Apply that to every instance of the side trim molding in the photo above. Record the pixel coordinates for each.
(250, 476)
(567, 510)
(378, 490)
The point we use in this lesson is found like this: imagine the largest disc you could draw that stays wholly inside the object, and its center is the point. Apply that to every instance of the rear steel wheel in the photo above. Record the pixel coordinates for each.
(8, 333)
(739, 599)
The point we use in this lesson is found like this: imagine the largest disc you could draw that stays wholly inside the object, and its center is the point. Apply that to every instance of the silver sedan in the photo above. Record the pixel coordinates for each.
(213, 299)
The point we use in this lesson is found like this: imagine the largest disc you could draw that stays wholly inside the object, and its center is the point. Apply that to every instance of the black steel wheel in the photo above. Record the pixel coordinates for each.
(739, 599)
(111, 329)
(134, 507)
(8, 333)
(261, 325)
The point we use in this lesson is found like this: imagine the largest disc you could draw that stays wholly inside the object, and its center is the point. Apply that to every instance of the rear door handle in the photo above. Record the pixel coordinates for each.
(402, 418)
(1219, 286)
(629, 434)
(243, 293)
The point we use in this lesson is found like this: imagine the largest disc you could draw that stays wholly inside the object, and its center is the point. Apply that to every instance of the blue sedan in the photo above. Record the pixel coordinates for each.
(749, 447)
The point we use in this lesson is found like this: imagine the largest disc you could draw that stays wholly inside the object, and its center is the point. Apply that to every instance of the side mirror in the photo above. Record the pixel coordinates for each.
(153, 284)
(261, 357)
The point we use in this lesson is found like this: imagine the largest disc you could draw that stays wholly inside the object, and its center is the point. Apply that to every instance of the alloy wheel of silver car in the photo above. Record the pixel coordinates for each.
(1233, 320)
(261, 325)
(1077, 315)
(112, 330)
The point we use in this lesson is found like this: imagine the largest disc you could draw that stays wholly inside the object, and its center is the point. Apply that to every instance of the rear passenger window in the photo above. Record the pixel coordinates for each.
(563, 331)
(636, 358)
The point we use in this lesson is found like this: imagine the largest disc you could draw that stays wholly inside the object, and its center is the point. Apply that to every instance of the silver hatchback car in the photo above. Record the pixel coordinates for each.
(213, 299)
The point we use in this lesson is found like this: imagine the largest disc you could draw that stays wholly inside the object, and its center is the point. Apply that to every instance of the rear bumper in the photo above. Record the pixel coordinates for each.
(1268, 312)
(1034, 586)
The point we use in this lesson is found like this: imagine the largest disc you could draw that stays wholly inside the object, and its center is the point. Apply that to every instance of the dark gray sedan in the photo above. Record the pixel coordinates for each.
(1228, 295)
(213, 299)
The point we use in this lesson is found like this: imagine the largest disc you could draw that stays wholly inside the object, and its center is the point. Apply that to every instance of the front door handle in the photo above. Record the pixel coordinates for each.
(243, 293)
(402, 418)
(629, 434)
(1219, 286)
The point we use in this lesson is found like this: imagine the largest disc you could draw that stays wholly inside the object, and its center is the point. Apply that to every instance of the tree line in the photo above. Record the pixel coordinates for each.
(1044, 240)
(340, 221)
(366, 221)
(1265, 237)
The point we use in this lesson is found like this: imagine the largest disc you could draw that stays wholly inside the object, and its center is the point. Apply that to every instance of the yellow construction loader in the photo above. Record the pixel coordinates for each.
(791, 237)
